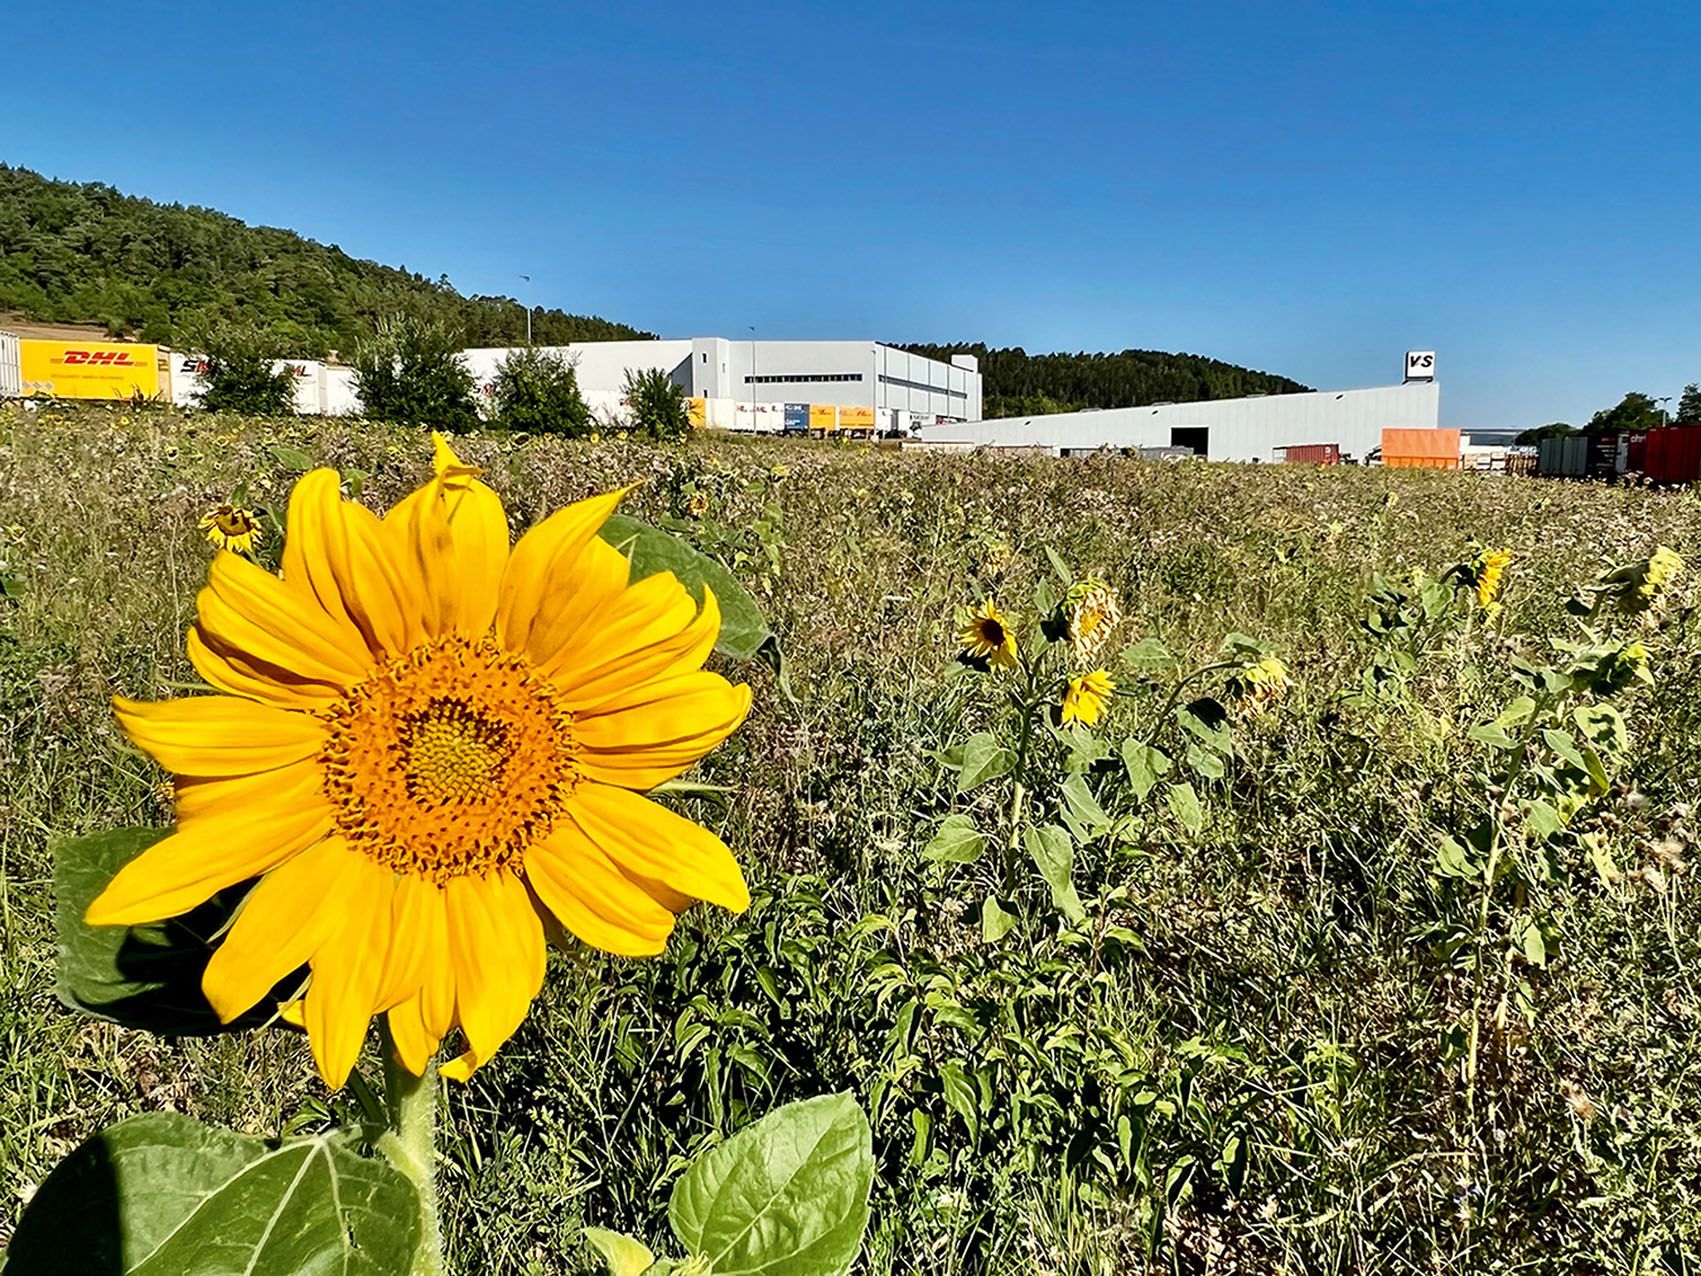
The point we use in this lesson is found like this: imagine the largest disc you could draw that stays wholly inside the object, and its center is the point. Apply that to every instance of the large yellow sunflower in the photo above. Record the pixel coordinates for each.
(426, 745)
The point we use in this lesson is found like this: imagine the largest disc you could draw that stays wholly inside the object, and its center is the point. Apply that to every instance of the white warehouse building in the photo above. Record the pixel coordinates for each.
(1251, 429)
(764, 385)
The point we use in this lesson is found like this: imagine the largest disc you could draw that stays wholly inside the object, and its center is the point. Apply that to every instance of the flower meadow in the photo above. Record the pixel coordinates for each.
(503, 854)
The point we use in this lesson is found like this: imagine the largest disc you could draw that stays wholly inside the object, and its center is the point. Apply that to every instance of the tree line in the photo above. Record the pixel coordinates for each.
(1017, 383)
(1634, 413)
(83, 252)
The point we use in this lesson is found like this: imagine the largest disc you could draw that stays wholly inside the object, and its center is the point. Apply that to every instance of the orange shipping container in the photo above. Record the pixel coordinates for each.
(1421, 449)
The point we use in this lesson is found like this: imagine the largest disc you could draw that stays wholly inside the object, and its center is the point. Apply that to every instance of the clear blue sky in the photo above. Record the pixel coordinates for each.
(1305, 188)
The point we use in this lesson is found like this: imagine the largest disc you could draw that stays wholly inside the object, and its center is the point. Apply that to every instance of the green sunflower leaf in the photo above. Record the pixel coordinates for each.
(164, 1195)
(787, 1196)
(744, 630)
(141, 976)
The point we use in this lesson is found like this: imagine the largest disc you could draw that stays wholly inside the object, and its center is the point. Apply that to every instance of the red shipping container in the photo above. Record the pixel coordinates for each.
(1673, 455)
(1312, 454)
(1636, 454)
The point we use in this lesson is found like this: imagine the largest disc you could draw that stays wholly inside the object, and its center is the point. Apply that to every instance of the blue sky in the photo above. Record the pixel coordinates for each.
(1305, 188)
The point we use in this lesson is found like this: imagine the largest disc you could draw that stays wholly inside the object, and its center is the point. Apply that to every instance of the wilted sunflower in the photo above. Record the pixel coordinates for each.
(1664, 566)
(1092, 613)
(231, 527)
(988, 636)
(1084, 698)
(427, 744)
(1259, 686)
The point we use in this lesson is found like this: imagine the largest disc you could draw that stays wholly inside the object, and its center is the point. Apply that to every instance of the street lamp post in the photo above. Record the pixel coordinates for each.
(752, 328)
(528, 280)
(1665, 417)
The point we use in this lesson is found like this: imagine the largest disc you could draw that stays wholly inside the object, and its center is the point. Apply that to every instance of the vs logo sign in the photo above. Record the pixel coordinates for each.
(1420, 365)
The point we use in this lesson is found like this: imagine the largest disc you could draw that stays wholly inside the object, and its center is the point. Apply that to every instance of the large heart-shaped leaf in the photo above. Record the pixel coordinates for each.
(141, 976)
(744, 630)
(1053, 854)
(786, 1197)
(164, 1195)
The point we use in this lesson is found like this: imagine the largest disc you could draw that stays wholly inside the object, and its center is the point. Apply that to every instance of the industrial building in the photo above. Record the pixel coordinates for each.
(760, 386)
(1260, 428)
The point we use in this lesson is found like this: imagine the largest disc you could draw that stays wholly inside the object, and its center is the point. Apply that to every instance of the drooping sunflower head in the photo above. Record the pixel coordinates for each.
(427, 745)
(1663, 567)
(988, 636)
(1258, 686)
(1091, 614)
(231, 527)
(1085, 697)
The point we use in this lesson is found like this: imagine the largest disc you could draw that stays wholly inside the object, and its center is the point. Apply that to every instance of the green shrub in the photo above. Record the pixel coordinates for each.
(242, 373)
(657, 405)
(537, 392)
(410, 371)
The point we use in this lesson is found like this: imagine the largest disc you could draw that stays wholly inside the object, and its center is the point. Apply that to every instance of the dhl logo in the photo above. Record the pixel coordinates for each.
(101, 358)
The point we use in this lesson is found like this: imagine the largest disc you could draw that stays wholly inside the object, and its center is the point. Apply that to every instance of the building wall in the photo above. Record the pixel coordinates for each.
(1236, 429)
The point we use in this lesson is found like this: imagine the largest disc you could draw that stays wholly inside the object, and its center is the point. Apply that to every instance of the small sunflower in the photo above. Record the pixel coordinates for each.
(988, 636)
(1091, 614)
(1084, 698)
(1490, 570)
(232, 527)
(1663, 567)
(428, 746)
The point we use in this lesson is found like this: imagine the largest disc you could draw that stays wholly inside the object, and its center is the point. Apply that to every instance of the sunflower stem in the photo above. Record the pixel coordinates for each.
(410, 1144)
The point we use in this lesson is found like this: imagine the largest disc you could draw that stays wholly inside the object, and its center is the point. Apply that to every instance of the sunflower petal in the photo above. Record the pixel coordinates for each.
(651, 733)
(410, 931)
(205, 855)
(496, 947)
(580, 591)
(219, 735)
(652, 630)
(246, 608)
(543, 562)
(581, 886)
(341, 996)
(651, 840)
(238, 674)
(282, 923)
(414, 1045)
(316, 547)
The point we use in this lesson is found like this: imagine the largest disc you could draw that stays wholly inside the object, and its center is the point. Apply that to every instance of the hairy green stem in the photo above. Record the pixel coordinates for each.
(410, 1144)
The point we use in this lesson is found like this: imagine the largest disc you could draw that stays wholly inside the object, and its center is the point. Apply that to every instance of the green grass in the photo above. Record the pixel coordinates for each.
(1283, 990)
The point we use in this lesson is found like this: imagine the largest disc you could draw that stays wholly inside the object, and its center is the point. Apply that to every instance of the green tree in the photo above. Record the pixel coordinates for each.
(410, 370)
(656, 404)
(1553, 429)
(241, 372)
(1635, 411)
(537, 392)
(1689, 403)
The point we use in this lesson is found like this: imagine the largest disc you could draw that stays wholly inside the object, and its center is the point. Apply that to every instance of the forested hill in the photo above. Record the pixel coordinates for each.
(1023, 384)
(81, 252)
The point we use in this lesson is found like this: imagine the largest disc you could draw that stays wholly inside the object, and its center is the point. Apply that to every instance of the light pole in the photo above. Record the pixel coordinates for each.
(1665, 417)
(528, 280)
(752, 328)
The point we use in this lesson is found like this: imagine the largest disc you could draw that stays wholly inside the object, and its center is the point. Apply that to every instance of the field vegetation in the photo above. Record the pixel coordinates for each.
(1354, 936)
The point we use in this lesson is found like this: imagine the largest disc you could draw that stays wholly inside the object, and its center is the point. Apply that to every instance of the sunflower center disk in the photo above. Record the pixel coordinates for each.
(451, 760)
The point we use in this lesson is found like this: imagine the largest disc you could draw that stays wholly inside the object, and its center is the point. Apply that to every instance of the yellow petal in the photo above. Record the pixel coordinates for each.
(639, 835)
(247, 609)
(219, 735)
(205, 797)
(453, 534)
(414, 1045)
(382, 593)
(651, 631)
(412, 928)
(341, 997)
(316, 548)
(238, 674)
(280, 926)
(578, 883)
(539, 569)
(208, 854)
(651, 733)
(496, 947)
(580, 591)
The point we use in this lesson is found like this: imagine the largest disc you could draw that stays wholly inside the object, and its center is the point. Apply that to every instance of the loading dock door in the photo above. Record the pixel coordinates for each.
(1197, 437)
